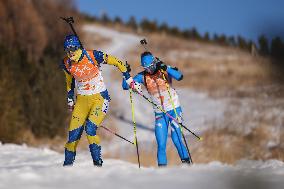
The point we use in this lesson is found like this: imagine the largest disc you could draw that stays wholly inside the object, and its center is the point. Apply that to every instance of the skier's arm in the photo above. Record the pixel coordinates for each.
(111, 60)
(123, 67)
(139, 78)
(70, 81)
(70, 85)
(174, 73)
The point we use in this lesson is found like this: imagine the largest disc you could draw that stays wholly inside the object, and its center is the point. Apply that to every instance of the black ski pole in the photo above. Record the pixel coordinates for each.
(199, 138)
(187, 148)
(70, 21)
(143, 42)
(116, 134)
(137, 152)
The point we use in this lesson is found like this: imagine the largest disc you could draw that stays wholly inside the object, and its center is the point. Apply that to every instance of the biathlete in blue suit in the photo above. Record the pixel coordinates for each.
(157, 78)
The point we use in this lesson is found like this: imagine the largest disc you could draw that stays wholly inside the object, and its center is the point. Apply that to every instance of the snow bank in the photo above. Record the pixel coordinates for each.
(25, 167)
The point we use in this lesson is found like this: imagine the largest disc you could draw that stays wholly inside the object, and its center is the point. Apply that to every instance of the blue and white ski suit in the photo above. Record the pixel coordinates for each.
(159, 90)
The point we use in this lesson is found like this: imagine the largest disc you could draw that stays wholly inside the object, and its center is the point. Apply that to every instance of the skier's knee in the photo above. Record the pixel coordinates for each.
(176, 138)
(75, 135)
(91, 128)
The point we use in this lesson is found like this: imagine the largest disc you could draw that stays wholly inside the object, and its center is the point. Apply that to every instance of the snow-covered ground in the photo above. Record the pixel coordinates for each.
(32, 168)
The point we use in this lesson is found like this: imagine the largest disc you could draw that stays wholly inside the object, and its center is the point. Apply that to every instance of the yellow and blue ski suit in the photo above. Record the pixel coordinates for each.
(92, 99)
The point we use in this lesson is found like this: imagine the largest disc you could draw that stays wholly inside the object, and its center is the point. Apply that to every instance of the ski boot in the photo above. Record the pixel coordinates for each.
(67, 164)
(69, 158)
(186, 161)
(96, 154)
(98, 163)
(162, 165)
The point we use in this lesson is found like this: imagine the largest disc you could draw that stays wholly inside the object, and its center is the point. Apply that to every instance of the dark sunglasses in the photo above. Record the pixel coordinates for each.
(150, 68)
(71, 49)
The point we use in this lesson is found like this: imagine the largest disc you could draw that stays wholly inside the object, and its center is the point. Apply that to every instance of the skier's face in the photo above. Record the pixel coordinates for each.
(148, 61)
(151, 68)
(74, 53)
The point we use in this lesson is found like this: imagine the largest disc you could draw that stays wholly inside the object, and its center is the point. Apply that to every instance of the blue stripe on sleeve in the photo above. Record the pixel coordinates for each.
(99, 56)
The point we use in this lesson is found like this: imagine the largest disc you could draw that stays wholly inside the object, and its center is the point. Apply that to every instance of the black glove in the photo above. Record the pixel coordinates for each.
(128, 67)
(70, 100)
(162, 66)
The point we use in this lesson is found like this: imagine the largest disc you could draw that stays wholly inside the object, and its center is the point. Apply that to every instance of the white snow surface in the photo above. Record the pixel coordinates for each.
(32, 168)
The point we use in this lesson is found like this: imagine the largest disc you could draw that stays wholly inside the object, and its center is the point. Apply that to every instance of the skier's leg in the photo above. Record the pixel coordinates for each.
(96, 117)
(76, 128)
(161, 133)
(177, 135)
(94, 141)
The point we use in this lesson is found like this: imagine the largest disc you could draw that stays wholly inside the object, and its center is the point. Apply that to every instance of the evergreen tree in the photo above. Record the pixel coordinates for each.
(105, 19)
(148, 25)
(117, 20)
(206, 37)
(175, 31)
(232, 41)
(187, 34)
(164, 27)
(215, 37)
(252, 48)
(277, 48)
(195, 33)
(263, 45)
(242, 43)
(132, 23)
(145, 24)
(222, 40)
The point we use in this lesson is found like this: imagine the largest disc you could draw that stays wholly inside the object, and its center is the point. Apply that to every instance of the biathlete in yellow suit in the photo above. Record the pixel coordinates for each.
(82, 69)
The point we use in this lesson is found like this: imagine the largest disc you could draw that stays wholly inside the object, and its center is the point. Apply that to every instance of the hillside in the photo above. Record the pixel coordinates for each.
(228, 96)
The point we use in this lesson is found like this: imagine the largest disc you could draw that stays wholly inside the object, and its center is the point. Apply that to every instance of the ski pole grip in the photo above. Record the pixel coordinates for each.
(143, 42)
(69, 20)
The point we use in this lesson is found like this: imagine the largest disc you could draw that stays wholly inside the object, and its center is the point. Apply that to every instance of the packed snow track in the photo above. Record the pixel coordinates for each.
(32, 168)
